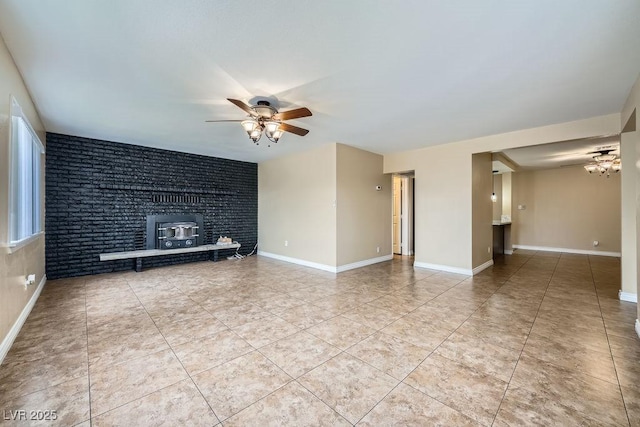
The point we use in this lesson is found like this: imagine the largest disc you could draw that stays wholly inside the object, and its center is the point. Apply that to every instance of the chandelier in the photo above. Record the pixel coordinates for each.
(603, 163)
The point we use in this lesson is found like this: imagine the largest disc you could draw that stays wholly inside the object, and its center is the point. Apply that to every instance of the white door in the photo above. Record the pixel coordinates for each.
(397, 214)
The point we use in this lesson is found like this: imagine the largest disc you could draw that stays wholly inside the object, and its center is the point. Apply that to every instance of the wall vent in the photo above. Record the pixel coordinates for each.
(175, 198)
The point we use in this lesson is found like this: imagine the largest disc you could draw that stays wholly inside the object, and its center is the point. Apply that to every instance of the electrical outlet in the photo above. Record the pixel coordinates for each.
(488, 249)
(378, 249)
(286, 243)
(30, 280)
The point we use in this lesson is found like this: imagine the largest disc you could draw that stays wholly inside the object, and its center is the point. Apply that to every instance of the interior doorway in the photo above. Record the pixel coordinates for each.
(403, 213)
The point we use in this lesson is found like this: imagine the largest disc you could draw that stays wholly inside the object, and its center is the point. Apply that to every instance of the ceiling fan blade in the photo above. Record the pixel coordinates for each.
(216, 121)
(293, 129)
(293, 114)
(242, 106)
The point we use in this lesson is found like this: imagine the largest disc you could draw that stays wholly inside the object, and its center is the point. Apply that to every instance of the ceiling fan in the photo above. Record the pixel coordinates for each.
(604, 161)
(265, 118)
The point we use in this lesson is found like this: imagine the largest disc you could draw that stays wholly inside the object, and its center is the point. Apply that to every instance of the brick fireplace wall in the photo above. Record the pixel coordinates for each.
(98, 194)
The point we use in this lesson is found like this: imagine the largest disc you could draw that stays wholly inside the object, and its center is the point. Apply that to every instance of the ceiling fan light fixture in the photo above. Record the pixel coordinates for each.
(604, 161)
(606, 165)
(616, 166)
(264, 118)
(605, 158)
(592, 167)
(255, 134)
(275, 136)
(271, 127)
(249, 126)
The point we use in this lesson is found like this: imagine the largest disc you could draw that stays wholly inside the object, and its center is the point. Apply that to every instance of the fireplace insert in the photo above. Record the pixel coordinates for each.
(174, 231)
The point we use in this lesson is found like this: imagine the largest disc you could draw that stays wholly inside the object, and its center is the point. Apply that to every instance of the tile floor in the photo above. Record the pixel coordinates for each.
(538, 339)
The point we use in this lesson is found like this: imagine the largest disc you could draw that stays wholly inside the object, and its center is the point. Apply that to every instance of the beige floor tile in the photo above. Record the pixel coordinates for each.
(306, 315)
(620, 329)
(336, 303)
(120, 348)
(504, 316)
(371, 316)
(406, 406)
(64, 404)
(180, 404)
(446, 317)
(279, 303)
(265, 331)
(62, 341)
(628, 348)
(124, 315)
(628, 370)
(239, 315)
(588, 395)
(631, 397)
(291, 405)
(475, 394)
(341, 332)
(313, 293)
(19, 377)
(398, 304)
(391, 355)
(100, 314)
(184, 327)
(506, 335)
(213, 350)
(115, 385)
(418, 332)
(482, 356)
(570, 355)
(348, 385)
(235, 385)
(299, 353)
(522, 407)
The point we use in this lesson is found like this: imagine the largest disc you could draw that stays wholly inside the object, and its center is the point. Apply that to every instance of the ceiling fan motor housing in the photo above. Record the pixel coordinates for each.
(264, 109)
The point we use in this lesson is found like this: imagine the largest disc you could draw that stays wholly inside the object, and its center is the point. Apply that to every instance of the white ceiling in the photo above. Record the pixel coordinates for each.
(380, 75)
(561, 154)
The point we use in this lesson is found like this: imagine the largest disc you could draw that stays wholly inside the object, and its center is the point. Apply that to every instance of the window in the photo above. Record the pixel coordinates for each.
(24, 180)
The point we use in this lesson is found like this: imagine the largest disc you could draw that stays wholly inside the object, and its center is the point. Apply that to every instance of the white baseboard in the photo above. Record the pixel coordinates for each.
(447, 268)
(325, 267)
(298, 261)
(481, 267)
(566, 250)
(508, 252)
(364, 263)
(638, 327)
(628, 296)
(7, 342)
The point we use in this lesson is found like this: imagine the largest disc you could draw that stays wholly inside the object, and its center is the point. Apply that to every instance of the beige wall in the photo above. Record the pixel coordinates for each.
(497, 189)
(631, 196)
(481, 209)
(443, 194)
(30, 259)
(506, 188)
(629, 265)
(363, 214)
(323, 202)
(567, 208)
(297, 204)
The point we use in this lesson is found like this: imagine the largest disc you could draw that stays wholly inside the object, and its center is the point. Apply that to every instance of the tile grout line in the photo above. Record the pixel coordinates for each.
(606, 333)
(427, 356)
(434, 350)
(527, 339)
(86, 319)
(173, 352)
